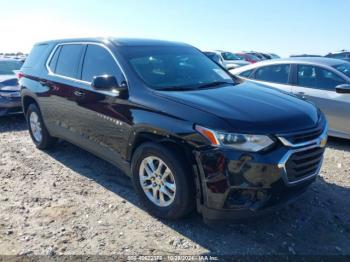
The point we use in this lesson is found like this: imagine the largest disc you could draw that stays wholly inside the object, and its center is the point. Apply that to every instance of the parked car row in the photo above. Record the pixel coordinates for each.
(190, 135)
(17, 56)
(343, 55)
(226, 59)
(234, 60)
(10, 98)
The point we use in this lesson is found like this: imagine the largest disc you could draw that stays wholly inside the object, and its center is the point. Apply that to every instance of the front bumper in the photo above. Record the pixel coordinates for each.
(238, 184)
(10, 106)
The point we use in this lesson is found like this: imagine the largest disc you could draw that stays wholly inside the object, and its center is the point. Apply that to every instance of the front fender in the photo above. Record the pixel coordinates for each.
(162, 127)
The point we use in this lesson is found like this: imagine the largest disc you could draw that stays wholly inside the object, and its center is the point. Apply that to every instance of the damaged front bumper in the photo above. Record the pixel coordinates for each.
(236, 184)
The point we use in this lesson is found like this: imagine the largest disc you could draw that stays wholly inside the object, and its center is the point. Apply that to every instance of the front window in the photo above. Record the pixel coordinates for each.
(344, 68)
(174, 67)
(317, 77)
(7, 66)
(229, 56)
(68, 60)
(97, 62)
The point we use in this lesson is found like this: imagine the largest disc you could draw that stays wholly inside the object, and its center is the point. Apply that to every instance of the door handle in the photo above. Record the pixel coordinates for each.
(78, 93)
(43, 82)
(301, 93)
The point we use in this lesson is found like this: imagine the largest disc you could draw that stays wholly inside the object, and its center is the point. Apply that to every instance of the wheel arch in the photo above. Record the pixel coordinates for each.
(176, 143)
(26, 101)
(184, 150)
(172, 142)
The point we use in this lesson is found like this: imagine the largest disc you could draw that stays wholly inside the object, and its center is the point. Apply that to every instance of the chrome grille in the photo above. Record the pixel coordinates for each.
(304, 163)
(304, 136)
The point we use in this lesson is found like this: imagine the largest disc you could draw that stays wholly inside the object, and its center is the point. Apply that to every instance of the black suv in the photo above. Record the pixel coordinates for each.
(189, 134)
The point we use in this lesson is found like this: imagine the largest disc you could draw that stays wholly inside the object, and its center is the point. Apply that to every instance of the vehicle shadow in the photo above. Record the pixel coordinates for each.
(339, 143)
(12, 123)
(318, 223)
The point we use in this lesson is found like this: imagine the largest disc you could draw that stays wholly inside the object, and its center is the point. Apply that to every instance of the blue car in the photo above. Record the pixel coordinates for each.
(10, 98)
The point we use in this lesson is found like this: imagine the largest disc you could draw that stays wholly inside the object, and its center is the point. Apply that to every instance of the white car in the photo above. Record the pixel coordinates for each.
(230, 60)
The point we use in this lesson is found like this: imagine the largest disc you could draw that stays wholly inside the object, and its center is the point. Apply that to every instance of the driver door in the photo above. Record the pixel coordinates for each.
(105, 119)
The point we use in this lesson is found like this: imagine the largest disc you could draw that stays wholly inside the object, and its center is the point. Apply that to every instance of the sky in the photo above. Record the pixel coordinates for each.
(283, 27)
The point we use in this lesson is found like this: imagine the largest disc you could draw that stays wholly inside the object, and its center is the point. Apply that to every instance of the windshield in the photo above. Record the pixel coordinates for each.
(344, 68)
(174, 67)
(7, 66)
(229, 56)
(274, 56)
(241, 57)
(253, 57)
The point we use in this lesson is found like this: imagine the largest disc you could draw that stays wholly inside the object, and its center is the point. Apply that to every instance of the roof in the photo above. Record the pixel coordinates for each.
(144, 42)
(307, 60)
(119, 41)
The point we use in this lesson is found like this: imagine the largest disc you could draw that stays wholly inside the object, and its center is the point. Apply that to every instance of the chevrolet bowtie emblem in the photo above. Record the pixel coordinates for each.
(323, 142)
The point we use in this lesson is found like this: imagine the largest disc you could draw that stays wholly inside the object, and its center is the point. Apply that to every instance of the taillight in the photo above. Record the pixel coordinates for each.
(19, 75)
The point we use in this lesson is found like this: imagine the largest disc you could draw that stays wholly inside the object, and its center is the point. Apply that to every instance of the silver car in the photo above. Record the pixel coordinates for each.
(324, 81)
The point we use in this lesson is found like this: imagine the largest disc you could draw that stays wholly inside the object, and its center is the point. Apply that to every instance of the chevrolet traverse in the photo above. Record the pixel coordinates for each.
(190, 135)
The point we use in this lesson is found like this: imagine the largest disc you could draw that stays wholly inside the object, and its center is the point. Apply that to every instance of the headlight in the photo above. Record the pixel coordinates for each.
(244, 142)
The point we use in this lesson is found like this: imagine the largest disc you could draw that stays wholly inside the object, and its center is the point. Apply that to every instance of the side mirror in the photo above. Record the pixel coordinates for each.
(104, 82)
(109, 83)
(343, 89)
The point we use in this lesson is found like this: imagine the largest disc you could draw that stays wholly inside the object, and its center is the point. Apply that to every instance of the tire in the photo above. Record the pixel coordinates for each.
(42, 140)
(183, 199)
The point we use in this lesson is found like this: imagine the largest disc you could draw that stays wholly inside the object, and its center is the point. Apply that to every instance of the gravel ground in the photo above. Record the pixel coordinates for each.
(67, 201)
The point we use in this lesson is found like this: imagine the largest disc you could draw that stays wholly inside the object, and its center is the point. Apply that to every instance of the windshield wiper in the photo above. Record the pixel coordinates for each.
(216, 83)
(195, 87)
(176, 88)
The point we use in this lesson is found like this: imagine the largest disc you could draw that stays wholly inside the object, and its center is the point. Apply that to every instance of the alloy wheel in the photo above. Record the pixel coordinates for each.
(35, 126)
(157, 181)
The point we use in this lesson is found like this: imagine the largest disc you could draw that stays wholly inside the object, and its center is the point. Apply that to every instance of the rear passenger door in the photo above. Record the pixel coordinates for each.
(277, 76)
(317, 84)
(61, 112)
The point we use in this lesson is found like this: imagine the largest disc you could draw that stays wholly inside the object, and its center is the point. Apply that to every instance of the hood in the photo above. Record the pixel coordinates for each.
(9, 83)
(251, 108)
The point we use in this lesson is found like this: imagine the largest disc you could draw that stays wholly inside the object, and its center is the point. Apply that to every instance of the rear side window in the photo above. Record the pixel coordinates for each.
(69, 60)
(35, 55)
(98, 61)
(273, 73)
(246, 73)
(54, 59)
